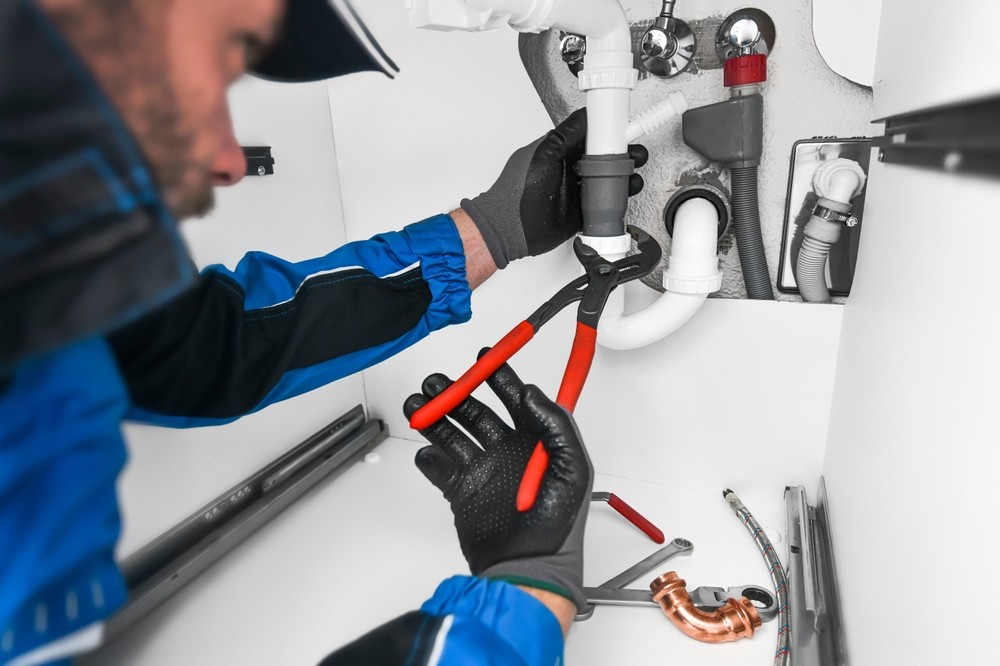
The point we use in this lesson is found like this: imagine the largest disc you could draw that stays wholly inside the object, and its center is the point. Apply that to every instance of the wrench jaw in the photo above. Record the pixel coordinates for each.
(712, 598)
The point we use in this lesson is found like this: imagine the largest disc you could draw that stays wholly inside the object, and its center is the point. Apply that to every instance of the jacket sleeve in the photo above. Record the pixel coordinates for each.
(272, 329)
(467, 621)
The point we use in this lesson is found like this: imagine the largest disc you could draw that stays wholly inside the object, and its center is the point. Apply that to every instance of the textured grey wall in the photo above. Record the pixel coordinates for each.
(803, 98)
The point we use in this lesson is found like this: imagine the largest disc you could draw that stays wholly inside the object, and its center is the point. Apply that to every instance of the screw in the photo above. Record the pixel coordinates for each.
(851, 221)
(952, 161)
(261, 171)
(604, 269)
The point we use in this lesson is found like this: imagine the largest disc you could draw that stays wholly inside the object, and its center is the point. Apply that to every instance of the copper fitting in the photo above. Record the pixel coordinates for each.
(736, 619)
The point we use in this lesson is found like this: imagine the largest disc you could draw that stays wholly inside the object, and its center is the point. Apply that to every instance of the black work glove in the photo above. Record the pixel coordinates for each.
(542, 547)
(534, 206)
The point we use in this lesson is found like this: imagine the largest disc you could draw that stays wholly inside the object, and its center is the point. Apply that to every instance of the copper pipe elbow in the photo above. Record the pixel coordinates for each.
(736, 619)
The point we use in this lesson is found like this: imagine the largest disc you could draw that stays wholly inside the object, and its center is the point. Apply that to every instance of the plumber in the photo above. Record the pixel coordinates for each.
(114, 127)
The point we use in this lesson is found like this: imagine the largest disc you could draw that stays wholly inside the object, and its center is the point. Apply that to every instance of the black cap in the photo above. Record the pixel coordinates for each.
(321, 39)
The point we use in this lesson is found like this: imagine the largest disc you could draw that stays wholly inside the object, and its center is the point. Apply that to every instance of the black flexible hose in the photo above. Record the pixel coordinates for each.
(749, 242)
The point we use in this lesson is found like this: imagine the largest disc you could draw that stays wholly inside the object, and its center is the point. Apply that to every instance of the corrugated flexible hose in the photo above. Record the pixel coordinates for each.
(810, 270)
(749, 242)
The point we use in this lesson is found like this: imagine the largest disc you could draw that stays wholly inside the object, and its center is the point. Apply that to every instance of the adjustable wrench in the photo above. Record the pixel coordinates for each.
(677, 546)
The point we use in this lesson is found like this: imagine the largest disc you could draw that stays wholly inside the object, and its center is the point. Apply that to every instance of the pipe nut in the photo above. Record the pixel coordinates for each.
(608, 78)
(688, 285)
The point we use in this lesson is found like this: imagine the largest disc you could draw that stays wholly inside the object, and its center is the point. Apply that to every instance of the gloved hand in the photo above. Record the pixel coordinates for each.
(534, 205)
(542, 547)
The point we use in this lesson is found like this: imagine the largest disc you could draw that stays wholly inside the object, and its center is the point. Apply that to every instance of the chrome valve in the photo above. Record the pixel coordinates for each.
(667, 47)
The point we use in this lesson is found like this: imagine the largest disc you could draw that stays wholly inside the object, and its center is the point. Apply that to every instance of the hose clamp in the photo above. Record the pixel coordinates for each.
(825, 213)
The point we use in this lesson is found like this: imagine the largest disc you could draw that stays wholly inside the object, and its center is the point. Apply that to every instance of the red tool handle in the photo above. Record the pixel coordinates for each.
(636, 518)
(577, 368)
(463, 387)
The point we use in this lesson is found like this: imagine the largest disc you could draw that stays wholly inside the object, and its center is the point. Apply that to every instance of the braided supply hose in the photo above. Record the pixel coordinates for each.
(781, 654)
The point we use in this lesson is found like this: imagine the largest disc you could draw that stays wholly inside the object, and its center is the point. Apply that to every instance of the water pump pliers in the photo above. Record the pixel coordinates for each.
(592, 290)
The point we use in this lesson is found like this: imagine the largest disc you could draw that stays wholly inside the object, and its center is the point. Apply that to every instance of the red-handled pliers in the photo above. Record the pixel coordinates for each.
(592, 290)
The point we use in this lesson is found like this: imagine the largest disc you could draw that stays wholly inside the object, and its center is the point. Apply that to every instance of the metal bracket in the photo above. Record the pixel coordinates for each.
(159, 569)
(814, 597)
(259, 160)
(957, 138)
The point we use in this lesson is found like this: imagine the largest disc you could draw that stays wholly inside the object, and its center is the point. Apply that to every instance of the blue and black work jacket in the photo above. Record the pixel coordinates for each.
(103, 318)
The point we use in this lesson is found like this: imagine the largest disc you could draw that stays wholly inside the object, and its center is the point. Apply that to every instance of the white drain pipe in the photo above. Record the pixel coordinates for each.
(607, 78)
(692, 274)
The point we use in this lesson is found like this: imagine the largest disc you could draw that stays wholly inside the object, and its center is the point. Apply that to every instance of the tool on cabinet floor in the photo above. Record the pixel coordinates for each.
(734, 618)
(703, 598)
(630, 514)
(709, 614)
(782, 654)
(607, 590)
(592, 290)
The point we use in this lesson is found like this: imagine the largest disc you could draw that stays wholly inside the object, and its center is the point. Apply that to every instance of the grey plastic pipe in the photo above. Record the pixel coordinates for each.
(749, 241)
(810, 268)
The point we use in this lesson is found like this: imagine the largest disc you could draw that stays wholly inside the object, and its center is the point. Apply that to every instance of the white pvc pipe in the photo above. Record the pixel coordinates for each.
(692, 273)
(607, 118)
(607, 76)
(667, 313)
(602, 22)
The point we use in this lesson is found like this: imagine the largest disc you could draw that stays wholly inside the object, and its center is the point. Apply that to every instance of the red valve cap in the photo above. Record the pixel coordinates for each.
(744, 70)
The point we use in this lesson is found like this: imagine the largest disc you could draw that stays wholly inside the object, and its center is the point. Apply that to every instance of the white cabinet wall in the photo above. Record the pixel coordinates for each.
(913, 454)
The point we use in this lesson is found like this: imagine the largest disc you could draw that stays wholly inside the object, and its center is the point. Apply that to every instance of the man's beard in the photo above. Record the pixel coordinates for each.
(167, 140)
(124, 43)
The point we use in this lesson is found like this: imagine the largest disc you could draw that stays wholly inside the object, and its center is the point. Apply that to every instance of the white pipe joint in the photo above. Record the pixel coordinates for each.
(692, 274)
(840, 180)
(611, 248)
(693, 266)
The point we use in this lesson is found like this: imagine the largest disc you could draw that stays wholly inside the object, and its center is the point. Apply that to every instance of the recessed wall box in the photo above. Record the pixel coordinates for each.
(807, 156)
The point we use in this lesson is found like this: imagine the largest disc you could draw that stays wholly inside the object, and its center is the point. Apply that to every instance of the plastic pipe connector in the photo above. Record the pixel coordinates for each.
(652, 119)
(839, 180)
(735, 620)
(692, 274)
